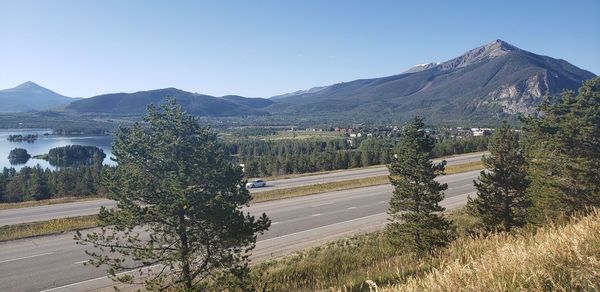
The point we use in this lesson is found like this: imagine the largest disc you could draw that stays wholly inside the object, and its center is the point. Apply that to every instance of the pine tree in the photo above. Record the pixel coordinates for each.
(174, 183)
(415, 219)
(563, 151)
(3, 181)
(38, 184)
(501, 200)
(16, 189)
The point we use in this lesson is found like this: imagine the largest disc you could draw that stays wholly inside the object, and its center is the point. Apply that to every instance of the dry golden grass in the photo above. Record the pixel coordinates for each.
(469, 166)
(5, 206)
(554, 258)
(54, 226)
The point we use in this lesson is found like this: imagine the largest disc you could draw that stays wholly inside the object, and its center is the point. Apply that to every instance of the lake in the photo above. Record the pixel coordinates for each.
(44, 143)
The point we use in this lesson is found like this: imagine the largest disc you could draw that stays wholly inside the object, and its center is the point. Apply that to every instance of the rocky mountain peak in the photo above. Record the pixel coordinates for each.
(421, 67)
(491, 82)
(491, 50)
(497, 48)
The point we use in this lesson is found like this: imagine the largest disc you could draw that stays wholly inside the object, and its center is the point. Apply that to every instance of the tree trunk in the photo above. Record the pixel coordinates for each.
(507, 216)
(186, 274)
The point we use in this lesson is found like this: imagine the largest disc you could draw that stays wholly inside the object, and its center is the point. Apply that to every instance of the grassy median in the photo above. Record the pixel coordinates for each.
(464, 167)
(318, 188)
(6, 206)
(54, 226)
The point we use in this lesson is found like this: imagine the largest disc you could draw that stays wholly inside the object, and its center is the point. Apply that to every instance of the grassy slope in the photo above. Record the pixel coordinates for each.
(552, 258)
(555, 258)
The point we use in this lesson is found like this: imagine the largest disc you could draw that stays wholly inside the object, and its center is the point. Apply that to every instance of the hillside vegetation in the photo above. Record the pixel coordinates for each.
(555, 258)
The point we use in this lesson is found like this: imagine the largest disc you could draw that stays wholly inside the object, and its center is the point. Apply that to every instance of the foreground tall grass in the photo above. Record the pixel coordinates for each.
(555, 257)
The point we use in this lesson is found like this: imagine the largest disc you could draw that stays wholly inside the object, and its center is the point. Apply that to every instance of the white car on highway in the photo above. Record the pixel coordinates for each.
(257, 183)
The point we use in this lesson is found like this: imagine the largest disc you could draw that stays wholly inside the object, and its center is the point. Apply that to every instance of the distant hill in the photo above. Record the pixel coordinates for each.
(198, 104)
(31, 97)
(488, 83)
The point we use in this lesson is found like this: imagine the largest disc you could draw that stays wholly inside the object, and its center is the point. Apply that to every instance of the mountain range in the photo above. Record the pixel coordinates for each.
(489, 83)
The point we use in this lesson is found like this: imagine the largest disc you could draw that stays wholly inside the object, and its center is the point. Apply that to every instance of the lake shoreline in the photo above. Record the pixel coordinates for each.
(47, 140)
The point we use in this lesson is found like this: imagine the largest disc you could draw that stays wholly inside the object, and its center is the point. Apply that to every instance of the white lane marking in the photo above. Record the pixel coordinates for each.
(279, 237)
(382, 202)
(274, 223)
(80, 262)
(333, 224)
(350, 208)
(320, 227)
(95, 279)
(27, 257)
(315, 215)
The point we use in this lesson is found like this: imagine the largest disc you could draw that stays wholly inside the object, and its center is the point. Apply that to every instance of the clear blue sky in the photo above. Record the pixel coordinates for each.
(264, 48)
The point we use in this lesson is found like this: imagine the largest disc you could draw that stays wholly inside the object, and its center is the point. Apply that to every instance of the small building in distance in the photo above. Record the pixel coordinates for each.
(486, 132)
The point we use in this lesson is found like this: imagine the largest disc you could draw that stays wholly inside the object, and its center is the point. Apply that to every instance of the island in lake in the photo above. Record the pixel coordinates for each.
(18, 156)
(20, 138)
(73, 155)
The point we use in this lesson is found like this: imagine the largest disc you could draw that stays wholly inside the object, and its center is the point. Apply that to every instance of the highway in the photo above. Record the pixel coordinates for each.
(42, 213)
(56, 263)
(348, 174)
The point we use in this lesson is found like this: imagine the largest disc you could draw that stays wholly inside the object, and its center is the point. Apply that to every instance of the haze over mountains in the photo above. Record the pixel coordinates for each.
(198, 104)
(488, 83)
(30, 97)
